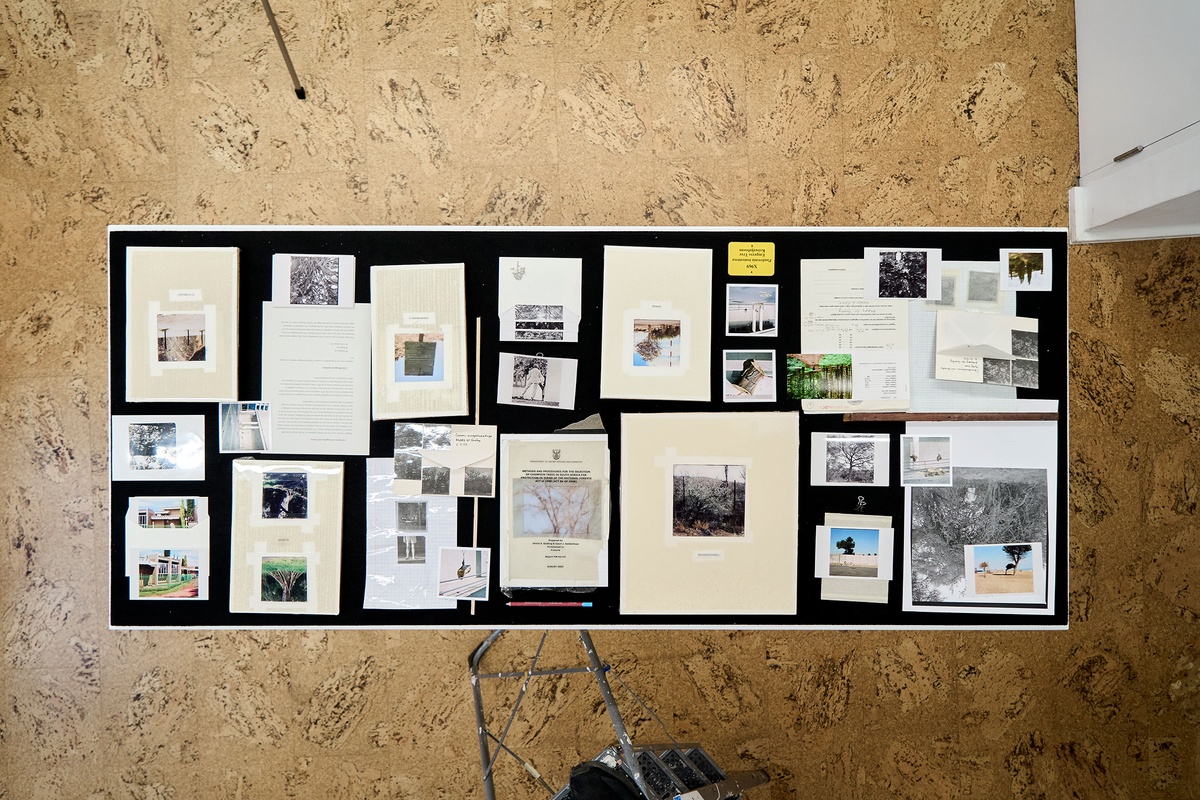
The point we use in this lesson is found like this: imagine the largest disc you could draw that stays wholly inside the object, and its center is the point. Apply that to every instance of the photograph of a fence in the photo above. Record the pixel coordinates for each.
(709, 500)
(180, 337)
(819, 376)
(925, 461)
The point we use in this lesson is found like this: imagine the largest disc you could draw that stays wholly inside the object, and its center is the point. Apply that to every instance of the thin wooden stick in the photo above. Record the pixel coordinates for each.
(883, 416)
(475, 516)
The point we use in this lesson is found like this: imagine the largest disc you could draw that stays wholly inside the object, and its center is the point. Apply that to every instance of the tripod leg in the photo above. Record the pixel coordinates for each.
(287, 59)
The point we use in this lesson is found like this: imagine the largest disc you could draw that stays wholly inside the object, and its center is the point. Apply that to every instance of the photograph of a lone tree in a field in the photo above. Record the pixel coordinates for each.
(853, 552)
(314, 280)
(1004, 569)
(285, 495)
(985, 505)
(284, 579)
(903, 273)
(849, 460)
(709, 500)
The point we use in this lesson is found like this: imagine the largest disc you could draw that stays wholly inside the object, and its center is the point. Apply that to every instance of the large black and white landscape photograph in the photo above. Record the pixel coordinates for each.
(984, 505)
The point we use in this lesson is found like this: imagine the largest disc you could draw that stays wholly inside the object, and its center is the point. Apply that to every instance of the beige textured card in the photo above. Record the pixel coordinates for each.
(181, 323)
(286, 540)
(708, 513)
(419, 341)
(657, 323)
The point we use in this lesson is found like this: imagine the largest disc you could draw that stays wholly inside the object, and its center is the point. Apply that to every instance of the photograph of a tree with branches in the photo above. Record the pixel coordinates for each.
(152, 445)
(709, 500)
(285, 495)
(314, 280)
(1003, 569)
(557, 510)
(903, 273)
(657, 342)
(849, 460)
(819, 376)
(985, 505)
(284, 579)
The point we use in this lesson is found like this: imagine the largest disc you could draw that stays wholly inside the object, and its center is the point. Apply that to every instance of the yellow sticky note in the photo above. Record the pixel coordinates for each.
(751, 258)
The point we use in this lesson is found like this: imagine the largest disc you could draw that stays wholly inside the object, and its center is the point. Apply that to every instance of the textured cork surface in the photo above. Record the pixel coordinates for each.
(610, 112)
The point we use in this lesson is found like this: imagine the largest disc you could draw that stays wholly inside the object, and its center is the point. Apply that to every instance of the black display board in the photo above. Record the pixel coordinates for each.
(479, 249)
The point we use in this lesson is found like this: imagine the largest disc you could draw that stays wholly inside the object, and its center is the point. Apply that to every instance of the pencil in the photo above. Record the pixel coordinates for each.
(549, 604)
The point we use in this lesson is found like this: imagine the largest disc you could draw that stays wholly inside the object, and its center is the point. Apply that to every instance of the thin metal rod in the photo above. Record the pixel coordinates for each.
(536, 672)
(489, 787)
(614, 714)
(287, 59)
(520, 696)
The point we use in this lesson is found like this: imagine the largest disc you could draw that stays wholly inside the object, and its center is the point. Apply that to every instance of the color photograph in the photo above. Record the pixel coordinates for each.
(820, 376)
(168, 574)
(1003, 568)
(180, 337)
(284, 579)
(657, 342)
(709, 500)
(853, 552)
(751, 309)
(285, 495)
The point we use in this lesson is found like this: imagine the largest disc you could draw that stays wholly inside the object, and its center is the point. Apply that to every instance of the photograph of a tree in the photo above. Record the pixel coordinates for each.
(709, 500)
(998, 371)
(1023, 266)
(849, 461)
(1025, 374)
(285, 495)
(558, 510)
(314, 280)
(152, 445)
(284, 579)
(819, 376)
(435, 480)
(1016, 552)
(477, 481)
(846, 545)
(655, 339)
(1025, 344)
(984, 505)
(903, 273)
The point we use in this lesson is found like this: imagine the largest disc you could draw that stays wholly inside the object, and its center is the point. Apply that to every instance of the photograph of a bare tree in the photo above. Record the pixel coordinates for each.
(314, 280)
(849, 460)
(709, 500)
(152, 445)
(985, 505)
(557, 510)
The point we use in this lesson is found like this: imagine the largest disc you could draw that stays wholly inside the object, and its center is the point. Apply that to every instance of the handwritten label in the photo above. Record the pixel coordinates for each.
(751, 258)
(184, 296)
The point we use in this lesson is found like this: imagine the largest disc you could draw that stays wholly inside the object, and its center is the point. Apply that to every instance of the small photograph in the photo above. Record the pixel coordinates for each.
(464, 572)
(853, 552)
(850, 460)
(751, 309)
(925, 461)
(1025, 374)
(313, 280)
(435, 480)
(167, 512)
(411, 515)
(538, 323)
(709, 500)
(983, 287)
(1002, 568)
(1027, 270)
(904, 274)
(285, 495)
(168, 574)
(436, 437)
(180, 337)
(556, 510)
(657, 342)
(819, 376)
(409, 435)
(410, 549)
(245, 427)
(997, 371)
(1025, 344)
(749, 376)
(420, 357)
(529, 377)
(949, 295)
(152, 445)
(284, 579)
(408, 465)
(477, 481)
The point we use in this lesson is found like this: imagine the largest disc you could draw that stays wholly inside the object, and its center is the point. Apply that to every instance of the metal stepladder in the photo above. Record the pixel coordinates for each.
(624, 771)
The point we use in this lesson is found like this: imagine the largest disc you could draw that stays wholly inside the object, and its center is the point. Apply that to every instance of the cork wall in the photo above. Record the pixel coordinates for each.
(546, 112)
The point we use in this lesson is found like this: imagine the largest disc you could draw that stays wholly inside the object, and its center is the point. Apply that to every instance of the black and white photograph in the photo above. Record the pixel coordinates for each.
(537, 380)
(997, 371)
(985, 505)
(1025, 374)
(157, 447)
(285, 495)
(1025, 344)
(245, 427)
(410, 548)
(557, 510)
(408, 465)
(435, 480)
(477, 481)
(751, 309)
(925, 461)
(152, 445)
(409, 435)
(949, 296)
(529, 376)
(436, 437)
(749, 376)
(904, 274)
(412, 515)
(313, 281)
(539, 323)
(1027, 270)
(840, 459)
(709, 500)
(983, 287)
(181, 337)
